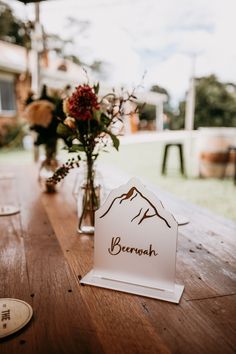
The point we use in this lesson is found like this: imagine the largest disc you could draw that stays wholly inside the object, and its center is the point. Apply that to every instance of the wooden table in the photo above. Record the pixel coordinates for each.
(42, 259)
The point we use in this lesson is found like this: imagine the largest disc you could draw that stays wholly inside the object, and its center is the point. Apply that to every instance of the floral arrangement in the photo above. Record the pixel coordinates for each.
(42, 115)
(91, 123)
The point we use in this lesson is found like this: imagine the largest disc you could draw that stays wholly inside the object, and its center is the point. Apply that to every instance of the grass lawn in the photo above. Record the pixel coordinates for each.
(143, 160)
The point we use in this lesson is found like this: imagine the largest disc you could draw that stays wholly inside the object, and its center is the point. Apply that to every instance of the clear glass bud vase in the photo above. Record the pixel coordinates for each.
(47, 168)
(89, 196)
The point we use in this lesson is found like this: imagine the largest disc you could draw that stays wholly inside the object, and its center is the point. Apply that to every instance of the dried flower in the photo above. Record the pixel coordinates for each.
(39, 113)
(63, 171)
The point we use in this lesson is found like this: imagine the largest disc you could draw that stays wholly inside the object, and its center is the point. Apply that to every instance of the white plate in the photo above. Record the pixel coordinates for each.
(6, 210)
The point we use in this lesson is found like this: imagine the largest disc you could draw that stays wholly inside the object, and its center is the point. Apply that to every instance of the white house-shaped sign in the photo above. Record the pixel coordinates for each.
(135, 245)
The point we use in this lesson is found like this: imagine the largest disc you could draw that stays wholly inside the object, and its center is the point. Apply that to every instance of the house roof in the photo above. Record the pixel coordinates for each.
(61, 72)
(14, 59)
(58, 72)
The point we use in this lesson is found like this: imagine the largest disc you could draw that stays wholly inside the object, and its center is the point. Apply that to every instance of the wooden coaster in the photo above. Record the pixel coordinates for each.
(6, 210)
(14, 315)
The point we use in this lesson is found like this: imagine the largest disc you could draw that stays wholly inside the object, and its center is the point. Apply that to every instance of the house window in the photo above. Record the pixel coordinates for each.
(7, 97)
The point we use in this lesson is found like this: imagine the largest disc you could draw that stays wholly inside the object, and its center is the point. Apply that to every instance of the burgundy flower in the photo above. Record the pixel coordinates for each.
(82, 103)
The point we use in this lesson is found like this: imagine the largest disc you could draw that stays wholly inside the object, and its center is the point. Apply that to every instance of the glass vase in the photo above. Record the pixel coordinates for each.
(48, 166)
(89, 197)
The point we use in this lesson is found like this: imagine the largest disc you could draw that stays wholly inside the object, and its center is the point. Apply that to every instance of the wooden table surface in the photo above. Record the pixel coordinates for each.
(42, 259)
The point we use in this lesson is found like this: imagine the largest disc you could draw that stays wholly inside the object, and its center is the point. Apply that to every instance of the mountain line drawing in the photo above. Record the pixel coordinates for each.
(144, 213)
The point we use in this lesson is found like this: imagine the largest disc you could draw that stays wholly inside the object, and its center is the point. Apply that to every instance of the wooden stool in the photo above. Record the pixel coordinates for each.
(181, 157)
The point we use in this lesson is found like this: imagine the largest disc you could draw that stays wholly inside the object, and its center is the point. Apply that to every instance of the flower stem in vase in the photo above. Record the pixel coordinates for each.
(89, 200)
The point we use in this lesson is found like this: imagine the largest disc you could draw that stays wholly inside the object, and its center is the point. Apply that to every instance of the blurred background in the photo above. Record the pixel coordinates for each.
(179, 56)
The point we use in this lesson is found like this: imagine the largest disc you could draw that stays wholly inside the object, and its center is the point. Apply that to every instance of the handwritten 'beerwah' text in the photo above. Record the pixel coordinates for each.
(116, 248)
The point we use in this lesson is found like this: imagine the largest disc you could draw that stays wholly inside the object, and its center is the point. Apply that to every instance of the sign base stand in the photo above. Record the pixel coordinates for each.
(171, 296)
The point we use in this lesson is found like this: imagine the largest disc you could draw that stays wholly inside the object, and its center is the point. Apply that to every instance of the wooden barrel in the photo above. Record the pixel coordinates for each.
(214, 158)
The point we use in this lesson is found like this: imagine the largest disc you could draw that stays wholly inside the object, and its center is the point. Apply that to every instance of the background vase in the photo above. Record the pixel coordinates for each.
(48, 166)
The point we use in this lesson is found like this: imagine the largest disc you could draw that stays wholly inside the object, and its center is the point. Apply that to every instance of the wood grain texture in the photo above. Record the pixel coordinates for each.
(43, 250)
(42, 277)
(199, 266)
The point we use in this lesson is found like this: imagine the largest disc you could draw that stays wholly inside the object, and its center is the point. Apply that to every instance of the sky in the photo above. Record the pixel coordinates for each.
(166, 41)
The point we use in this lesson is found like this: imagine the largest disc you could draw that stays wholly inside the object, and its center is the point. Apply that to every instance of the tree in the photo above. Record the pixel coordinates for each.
(215, 103)
(11, 28)
(159, 89)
